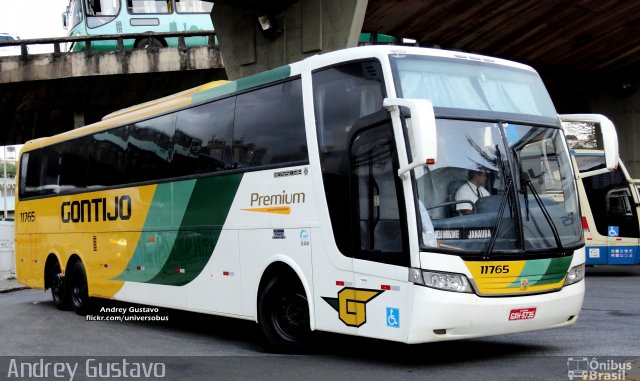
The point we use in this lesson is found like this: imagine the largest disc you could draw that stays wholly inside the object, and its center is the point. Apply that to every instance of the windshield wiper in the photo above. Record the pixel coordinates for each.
(494, 236)
(506, 175)
(545, 212)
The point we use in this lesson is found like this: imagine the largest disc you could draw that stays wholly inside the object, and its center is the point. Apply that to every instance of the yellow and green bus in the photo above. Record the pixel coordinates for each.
(317, 196)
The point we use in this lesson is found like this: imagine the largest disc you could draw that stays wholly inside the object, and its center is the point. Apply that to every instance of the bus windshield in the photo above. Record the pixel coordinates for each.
(500, 185)
(481, 168)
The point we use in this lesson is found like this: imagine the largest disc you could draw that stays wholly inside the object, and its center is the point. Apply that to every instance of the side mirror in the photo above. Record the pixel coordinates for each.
(609, 139)
(421, 126)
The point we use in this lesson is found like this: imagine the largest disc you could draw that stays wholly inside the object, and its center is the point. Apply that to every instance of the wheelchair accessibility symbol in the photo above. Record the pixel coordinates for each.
(393, 317)
(614, 231)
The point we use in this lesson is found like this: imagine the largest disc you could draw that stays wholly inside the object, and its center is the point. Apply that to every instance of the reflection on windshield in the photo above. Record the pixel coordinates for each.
(498, 186)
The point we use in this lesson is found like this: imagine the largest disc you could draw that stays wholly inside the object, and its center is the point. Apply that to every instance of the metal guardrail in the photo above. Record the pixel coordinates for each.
(56, 41)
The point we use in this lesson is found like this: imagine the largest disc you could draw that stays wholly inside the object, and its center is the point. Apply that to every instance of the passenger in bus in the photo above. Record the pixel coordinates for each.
(472, 190)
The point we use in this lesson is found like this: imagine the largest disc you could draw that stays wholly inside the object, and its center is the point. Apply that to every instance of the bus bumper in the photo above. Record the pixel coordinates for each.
(441, 315)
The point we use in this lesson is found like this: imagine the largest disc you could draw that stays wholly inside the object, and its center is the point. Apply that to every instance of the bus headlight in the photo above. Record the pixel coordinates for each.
(575, 274)
(440, 280)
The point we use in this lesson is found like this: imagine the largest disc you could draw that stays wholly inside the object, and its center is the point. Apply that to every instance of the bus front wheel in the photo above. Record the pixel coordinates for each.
(150, 42)
(78, 289)
(283, 314)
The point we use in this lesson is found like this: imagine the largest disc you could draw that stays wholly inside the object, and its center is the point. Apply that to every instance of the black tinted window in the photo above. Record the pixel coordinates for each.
(106, 158)
(202, 142)
(204, 139)
(342, 95)
(148, 153)
(269, 126)
(73, 168)
(42, 172)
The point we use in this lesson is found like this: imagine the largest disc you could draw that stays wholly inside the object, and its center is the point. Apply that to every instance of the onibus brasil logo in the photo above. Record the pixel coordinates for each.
(351, 304)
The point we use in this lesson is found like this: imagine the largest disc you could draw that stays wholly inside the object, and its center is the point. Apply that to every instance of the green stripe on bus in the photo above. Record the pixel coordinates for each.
(556, 271)
(200, 229)
(264, 77)
(243, 84)
(167, 209)
(543, 271)
(214, 92)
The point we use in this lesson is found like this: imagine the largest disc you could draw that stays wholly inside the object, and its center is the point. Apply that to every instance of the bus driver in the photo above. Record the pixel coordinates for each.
(472, 190)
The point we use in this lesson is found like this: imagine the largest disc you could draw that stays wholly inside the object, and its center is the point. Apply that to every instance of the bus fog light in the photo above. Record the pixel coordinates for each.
(446, 281)
(576, 274)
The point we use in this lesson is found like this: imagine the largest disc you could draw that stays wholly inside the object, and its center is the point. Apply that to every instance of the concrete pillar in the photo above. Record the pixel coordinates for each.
(623, 108)
(289, 31)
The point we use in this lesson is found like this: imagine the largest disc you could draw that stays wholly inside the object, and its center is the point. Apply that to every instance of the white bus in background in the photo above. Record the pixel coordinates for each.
(609, 200)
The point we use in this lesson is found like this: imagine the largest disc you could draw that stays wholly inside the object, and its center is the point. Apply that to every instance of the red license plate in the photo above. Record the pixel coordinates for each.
(522, 314)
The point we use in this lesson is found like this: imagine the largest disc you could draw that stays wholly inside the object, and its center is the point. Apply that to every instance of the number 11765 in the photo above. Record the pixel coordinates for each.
(500, 269)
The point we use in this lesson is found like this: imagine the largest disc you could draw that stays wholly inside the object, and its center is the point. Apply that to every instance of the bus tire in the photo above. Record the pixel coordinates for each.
(78, 289)
(59, 292)
(283, 314)
(149, 43)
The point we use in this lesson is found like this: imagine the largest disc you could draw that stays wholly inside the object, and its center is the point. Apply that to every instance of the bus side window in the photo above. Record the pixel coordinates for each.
(74, 159)
(43, 173)
(149, 150)
(106, 158)
(269, 126)
(150, 6)
(194, 6)
(51, 171)
(202, 143)
(341, 96)
(91, 11)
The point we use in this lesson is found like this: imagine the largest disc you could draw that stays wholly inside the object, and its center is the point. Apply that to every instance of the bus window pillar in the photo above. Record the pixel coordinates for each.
(78, 119)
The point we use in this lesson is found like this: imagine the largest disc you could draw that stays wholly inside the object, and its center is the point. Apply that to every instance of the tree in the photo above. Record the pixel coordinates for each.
(11, 169)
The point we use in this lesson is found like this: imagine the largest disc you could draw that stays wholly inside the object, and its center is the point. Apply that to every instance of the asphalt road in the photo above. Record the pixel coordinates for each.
(198, 347)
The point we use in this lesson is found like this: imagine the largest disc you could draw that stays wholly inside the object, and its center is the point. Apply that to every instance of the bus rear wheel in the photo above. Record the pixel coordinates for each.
(78, 289)
(59, 293)
(283, 314)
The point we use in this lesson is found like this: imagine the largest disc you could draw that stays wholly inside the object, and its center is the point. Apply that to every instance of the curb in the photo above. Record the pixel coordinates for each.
(19, 288)
(10, 285)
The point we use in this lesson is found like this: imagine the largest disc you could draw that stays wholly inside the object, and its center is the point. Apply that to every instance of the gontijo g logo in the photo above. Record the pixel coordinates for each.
(351, 304)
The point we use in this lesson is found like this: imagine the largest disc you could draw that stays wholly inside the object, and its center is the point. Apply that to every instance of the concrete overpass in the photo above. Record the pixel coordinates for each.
(588, 52)
(45, 94)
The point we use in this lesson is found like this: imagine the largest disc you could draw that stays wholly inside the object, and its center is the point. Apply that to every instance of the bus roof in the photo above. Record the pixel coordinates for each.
(217, 89)
(136, 109)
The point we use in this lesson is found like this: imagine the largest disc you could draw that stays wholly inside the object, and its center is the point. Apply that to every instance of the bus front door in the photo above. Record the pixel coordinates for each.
(381, 254)
(622, 226)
